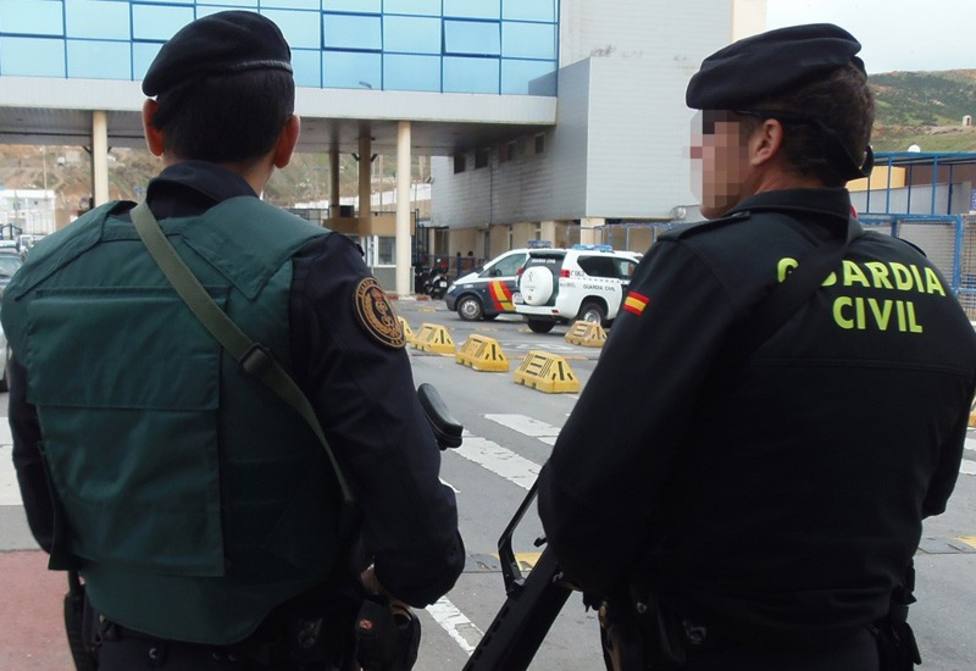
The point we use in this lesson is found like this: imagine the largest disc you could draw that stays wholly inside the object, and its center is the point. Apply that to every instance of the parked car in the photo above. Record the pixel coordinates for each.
(559, 286)
(486, 292)
(10, 263)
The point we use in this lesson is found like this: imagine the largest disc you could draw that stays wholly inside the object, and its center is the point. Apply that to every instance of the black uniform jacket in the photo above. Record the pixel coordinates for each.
(789, 496)
(363, 391)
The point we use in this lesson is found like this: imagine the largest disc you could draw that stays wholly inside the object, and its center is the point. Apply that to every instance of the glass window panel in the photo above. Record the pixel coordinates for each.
(32, 57)
(351, 70)
(143, 54)
(528, 40)
(40, 17)
(530, 10)
(158, 23)
(235, 3)
(165, 2)
(97, 20)
(474, 9)
(470, 75)
(472, 37)
(343, 31)
(301, 29)
(412, 34)
(363, 6)
(411, 73)
(99, 60)
(426, 7)
(308, 67)
(290, 4)
(207, 11)
(536, 78)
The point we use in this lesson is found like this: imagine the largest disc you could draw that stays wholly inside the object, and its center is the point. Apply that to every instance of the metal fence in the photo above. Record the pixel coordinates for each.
(949, 242)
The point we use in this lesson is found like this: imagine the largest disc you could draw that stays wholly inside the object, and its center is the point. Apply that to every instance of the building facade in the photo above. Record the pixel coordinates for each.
(618, 155)
(564, 111)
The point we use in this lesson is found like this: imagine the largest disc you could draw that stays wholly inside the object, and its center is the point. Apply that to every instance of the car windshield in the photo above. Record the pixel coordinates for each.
(9, 264)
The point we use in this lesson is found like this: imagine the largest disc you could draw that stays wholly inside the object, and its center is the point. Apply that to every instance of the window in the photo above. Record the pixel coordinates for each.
(158, 23)
(301, 29)
(284, 4)
(351, 70)
(507, 267)
(32, 57)
(528, 40)
(308, 67)
(470, 75)
(97, 20)
(426, 7)
(473, 9)
(360, 6)
(599, 266)
(479, 38)
(99, 60)
(540, 143)
(41, 17)
(459, 163)
(353, 32)
(507, 151)
(412, 34)
(481, 157)
(386, 251)
(411, 73)
(143, 54)
(625, 269)
(249, 3)
(528, 77)
(529, 10)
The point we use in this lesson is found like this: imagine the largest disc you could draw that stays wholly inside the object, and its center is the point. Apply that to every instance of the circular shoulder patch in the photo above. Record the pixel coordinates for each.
(376, 314)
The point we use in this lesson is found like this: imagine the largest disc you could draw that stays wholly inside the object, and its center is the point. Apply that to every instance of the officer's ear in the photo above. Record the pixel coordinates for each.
(154, 136)
(765, 142)
(287, 141)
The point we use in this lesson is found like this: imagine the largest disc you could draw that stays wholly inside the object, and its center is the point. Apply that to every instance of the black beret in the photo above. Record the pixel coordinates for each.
(774, 62)
(225, 42)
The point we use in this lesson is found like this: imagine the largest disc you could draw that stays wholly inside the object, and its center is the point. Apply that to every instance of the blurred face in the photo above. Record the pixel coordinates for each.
(720, 161)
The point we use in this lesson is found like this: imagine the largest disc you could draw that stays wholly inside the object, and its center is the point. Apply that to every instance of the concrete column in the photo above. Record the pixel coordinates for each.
(334, 197)
(549, 232)
(587, 229)
(365, 177)
(403, 209)
(99, 156)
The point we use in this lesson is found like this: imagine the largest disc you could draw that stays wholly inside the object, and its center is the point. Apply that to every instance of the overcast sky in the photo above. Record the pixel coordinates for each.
(895, 34)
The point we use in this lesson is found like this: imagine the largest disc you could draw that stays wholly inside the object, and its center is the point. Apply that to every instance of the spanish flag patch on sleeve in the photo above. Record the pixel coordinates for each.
(635, 303)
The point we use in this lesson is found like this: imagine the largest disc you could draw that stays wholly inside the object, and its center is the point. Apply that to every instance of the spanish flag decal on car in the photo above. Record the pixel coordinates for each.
(635, 303)
(501, 296)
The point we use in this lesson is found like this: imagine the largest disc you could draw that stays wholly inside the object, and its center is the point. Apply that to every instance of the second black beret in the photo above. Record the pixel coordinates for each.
(773, 62)
(225, 42)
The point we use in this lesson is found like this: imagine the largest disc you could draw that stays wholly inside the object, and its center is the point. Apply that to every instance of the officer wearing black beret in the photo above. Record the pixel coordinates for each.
(743, 481)
(210, 527)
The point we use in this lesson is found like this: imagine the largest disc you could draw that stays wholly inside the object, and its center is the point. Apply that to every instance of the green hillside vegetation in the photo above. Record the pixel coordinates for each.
(924, 108)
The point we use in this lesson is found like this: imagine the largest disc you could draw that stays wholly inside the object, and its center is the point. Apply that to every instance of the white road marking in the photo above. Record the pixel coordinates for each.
(456, 624)
(968, 467)
(9, 489)
(445, 482)
(970, 444)
(6, 437)
(499, 460)
(527, 426)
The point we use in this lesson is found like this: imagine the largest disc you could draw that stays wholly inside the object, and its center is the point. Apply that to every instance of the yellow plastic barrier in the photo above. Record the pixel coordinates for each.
(434, 338)
(586, 334)
(407, 331)
(482, 354)
(548, 373)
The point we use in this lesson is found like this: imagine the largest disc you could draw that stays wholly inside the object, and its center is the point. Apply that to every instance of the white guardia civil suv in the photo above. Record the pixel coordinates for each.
(559, 286)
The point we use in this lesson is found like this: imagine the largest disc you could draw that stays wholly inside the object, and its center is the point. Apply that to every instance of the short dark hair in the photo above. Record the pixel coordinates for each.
(226, 118)
(843, 102)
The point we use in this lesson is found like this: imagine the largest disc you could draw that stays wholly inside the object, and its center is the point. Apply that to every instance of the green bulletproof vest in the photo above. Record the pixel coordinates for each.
(194, 500)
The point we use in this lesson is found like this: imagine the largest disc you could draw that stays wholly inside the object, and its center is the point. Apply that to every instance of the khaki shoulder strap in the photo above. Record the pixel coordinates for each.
(254, 358)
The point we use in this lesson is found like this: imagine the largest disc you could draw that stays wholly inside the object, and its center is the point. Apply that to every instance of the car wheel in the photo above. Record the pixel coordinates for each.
(469, 309)
(541, 325)
(592, 311)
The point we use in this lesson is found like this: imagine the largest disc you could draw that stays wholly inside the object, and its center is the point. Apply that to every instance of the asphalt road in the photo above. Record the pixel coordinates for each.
(511, 429)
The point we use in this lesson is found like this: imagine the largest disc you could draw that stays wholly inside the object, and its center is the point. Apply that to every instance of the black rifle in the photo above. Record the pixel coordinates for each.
(532, 606)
